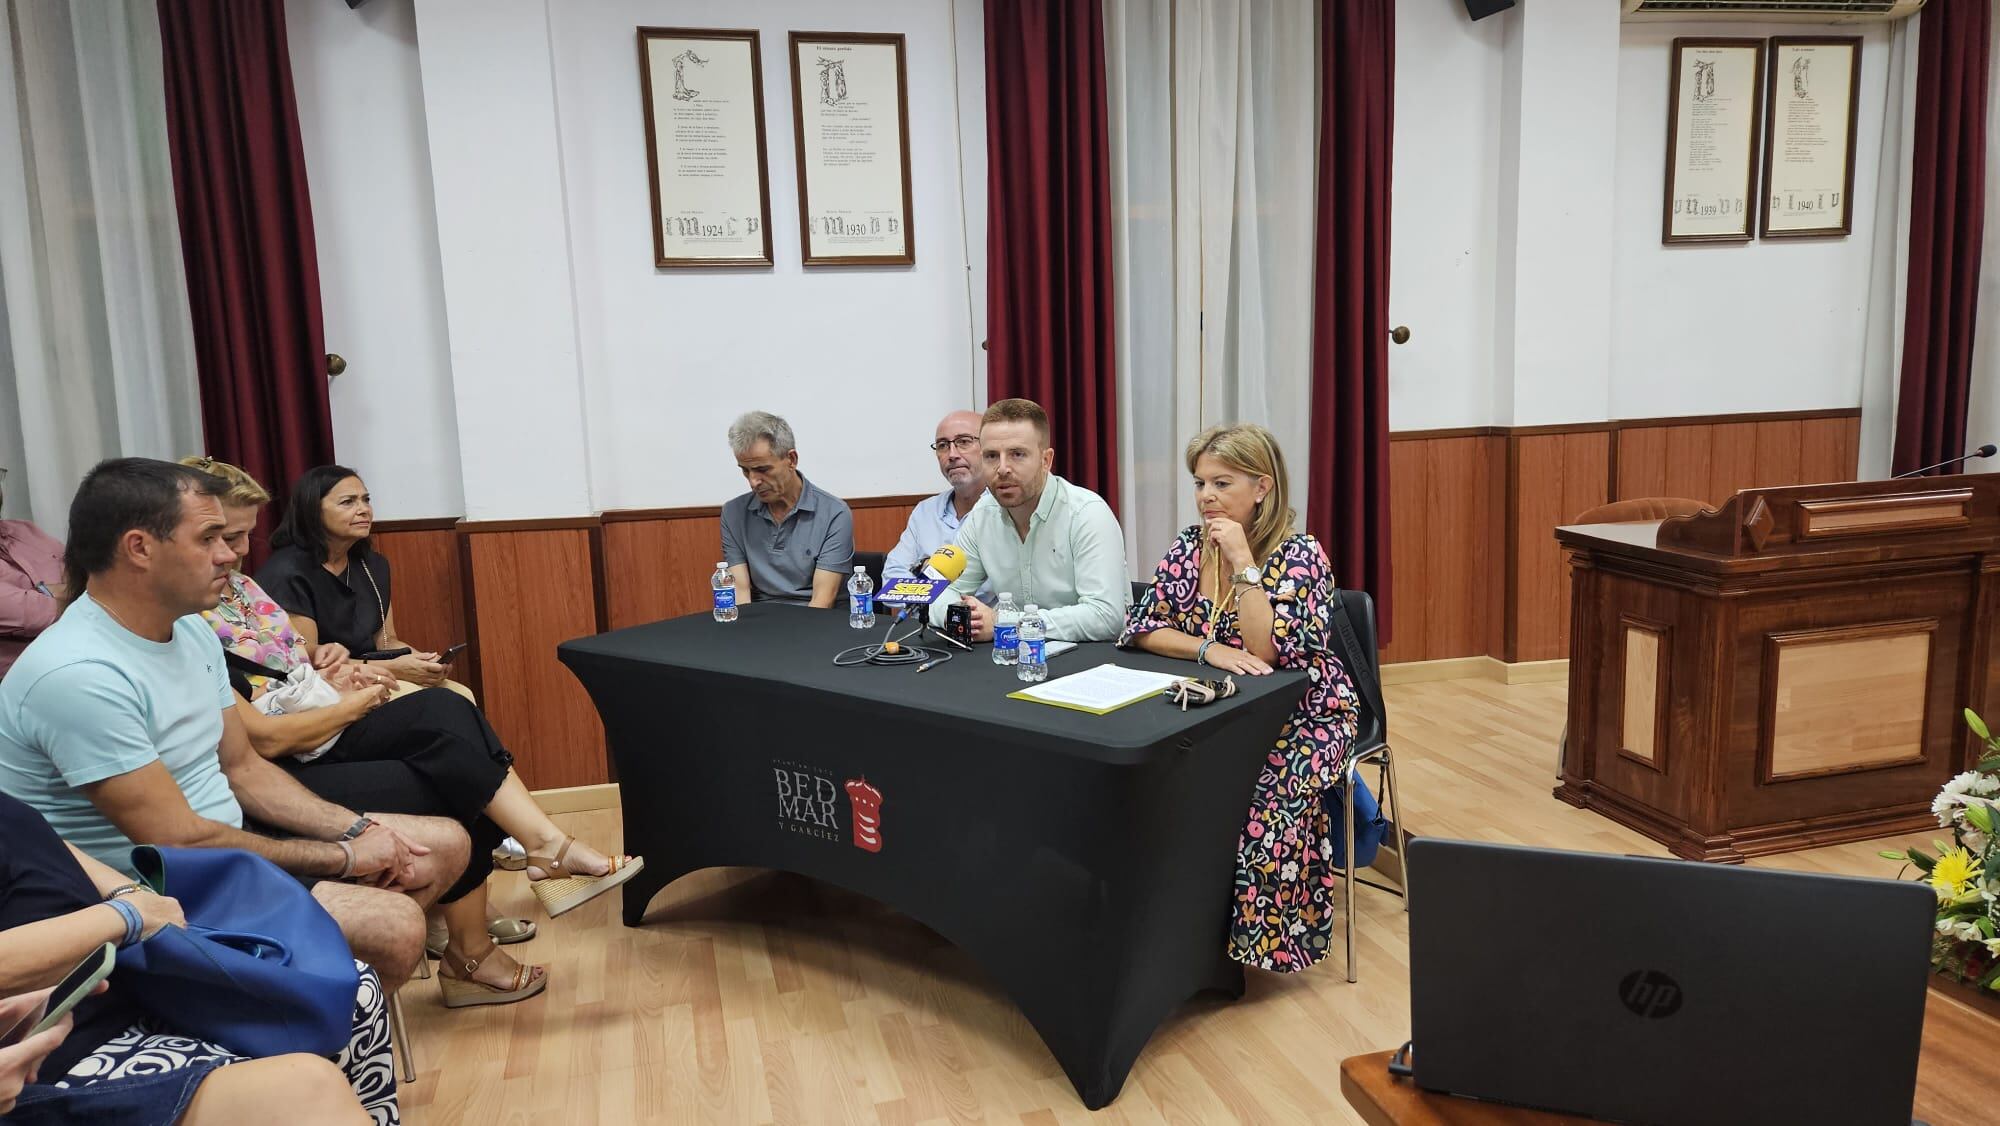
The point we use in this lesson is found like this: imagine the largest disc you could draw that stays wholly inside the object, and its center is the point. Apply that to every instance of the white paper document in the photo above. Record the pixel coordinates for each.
(1105, 688)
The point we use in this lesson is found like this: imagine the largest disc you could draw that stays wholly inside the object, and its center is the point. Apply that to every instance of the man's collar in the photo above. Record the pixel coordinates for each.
(805, 504)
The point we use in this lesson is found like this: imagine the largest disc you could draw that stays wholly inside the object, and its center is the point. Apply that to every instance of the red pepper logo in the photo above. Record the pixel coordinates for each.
(866, 801)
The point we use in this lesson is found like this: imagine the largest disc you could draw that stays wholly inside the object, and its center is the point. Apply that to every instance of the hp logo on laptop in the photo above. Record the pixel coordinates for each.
(1650, 994)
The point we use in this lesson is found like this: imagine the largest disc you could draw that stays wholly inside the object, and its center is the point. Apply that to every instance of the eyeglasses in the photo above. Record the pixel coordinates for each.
(964, 443)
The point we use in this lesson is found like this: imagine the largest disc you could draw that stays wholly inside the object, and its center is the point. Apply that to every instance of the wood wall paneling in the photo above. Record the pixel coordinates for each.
(534, 591)
(1551, 478)
(658, 569)
(1445, 545)
(429, 599)
(877, 526)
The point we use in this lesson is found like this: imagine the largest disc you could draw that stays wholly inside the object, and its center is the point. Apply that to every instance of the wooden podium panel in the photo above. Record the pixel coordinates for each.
(1786, 671)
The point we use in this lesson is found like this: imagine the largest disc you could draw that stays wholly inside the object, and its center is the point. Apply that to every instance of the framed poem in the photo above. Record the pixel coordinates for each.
(851, 119)
(703, 92)
(1714, 110)
(1814, 94)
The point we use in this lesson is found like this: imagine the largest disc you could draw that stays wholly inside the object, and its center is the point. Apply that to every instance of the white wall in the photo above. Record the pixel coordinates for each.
(1767, 326)
(670, 357)
(1772, 324)
(361, 118)
(1445, 215)
(657, 362)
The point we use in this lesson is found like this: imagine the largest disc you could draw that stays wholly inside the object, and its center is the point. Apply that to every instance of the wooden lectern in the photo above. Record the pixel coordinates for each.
(1787, 671)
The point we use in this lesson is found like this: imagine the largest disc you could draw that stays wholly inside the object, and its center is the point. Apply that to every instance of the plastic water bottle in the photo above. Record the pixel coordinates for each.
(1005, 621)
(725, 593)
(861, 600)
(1034, 631)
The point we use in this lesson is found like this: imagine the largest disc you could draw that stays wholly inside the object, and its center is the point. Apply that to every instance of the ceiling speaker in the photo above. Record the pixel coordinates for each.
(1480, 9)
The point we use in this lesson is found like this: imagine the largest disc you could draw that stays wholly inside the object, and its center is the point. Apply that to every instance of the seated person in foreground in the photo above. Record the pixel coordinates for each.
(30, 584)
(118, 724)
(428, 752)
(121, 1063)
(1244, 593)
(1038, 537)
(325, 572)
(785, 540)
(935, 521)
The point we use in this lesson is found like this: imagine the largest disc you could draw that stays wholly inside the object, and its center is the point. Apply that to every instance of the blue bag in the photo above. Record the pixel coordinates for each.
(1369, 825)
(261, 969)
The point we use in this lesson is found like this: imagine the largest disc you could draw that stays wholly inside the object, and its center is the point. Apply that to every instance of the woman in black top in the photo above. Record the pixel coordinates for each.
(120, 1064)
(336, 589)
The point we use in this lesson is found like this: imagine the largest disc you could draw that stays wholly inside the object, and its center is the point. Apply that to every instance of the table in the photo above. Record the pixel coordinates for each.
(1958, 1079)
(1085, 862)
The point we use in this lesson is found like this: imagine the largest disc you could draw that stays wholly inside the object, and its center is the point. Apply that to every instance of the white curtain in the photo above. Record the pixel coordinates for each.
(1982, 415)
(96, 349)
(1214, 131)
(1889, 269)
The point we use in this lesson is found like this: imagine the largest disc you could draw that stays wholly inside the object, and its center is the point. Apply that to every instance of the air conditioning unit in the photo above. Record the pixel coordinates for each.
(1776, 11)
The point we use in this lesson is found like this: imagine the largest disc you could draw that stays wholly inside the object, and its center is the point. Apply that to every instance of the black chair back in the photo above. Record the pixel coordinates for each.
(873, 560)
(1139, 591)
(1354, 643)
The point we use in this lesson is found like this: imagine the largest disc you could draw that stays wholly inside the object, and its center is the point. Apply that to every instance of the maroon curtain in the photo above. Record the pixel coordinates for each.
(1947, 225)
(1347, 463)
(246, 237)
(1048, 228)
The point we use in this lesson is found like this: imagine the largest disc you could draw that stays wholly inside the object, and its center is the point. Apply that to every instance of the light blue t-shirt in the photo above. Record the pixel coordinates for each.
(90, 700)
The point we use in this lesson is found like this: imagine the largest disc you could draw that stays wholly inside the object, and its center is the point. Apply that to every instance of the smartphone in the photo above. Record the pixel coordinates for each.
(74, 987)
(445, 657)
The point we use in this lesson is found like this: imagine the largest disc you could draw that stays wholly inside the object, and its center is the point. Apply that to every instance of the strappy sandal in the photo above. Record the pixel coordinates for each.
(503, 931)
(461, 991)
(1197, 693)
(561, 890)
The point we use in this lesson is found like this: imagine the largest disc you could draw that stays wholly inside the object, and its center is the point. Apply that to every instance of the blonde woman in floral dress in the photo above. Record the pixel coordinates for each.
(1243, 593)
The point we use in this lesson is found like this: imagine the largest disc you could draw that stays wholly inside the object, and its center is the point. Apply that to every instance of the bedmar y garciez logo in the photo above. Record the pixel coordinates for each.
(810, 804)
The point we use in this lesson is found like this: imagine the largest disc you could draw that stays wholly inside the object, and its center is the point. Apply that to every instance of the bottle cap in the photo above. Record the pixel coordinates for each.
(860, 569)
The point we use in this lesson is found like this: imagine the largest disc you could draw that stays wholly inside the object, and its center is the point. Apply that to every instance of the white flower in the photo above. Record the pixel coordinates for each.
(1993, 947)
(1287, 588)
(1298, 928)
(1289, 872)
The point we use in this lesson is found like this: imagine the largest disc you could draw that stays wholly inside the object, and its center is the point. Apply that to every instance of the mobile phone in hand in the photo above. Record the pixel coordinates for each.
(74, 987)
(445, 657)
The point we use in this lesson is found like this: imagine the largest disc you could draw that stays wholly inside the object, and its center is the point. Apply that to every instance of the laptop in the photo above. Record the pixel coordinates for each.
(1665, 991)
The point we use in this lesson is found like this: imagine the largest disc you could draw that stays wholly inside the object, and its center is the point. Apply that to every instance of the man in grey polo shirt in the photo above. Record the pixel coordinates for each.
(786, 539)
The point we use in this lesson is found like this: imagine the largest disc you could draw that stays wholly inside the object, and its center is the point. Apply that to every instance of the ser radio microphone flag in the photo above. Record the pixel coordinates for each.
(944, 565)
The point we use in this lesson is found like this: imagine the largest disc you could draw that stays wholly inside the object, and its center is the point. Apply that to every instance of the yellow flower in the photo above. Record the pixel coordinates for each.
(1955, 872)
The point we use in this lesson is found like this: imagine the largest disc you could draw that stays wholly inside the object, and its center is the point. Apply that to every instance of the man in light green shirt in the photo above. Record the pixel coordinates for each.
(1038, 537)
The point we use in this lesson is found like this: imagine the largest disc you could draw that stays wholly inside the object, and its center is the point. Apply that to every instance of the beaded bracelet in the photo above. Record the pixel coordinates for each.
(1201, 651)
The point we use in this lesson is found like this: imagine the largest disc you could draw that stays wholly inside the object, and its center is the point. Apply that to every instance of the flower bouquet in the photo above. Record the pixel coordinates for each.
(1966, 873)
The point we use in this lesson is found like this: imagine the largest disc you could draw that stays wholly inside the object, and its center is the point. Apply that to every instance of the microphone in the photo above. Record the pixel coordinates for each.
(1987, 450)
(947, 563)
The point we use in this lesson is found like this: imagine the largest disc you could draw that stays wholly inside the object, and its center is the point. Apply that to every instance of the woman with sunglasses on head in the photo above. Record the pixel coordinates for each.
(429, 753)
(1243, 593)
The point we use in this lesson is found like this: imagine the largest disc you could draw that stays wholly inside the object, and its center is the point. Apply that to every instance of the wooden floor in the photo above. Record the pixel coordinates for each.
(758, 997)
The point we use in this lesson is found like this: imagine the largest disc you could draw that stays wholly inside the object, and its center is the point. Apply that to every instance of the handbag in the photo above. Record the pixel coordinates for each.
(303, 691)
(1370, 827)
(260, 969)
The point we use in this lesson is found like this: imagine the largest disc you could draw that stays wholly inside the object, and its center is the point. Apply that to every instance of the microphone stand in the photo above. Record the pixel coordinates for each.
(1987, 450)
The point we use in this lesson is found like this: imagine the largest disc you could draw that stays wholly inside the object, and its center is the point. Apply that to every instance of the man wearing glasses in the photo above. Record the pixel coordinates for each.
(935, 521)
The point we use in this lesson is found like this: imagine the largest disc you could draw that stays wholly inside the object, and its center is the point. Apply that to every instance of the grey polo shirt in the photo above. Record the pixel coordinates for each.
(817, 535)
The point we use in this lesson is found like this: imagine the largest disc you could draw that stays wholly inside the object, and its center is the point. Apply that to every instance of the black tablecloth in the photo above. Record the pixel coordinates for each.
(1085, 861)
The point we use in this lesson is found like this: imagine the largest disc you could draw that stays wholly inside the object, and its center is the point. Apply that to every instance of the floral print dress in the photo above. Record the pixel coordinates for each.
(1283, 911)
(253, 626)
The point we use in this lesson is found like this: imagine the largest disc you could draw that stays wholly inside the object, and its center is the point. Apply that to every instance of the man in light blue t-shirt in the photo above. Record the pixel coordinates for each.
(118, 725)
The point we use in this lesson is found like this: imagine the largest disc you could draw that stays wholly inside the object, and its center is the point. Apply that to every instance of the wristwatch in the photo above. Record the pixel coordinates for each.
(1251, 576)
(360, 826)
